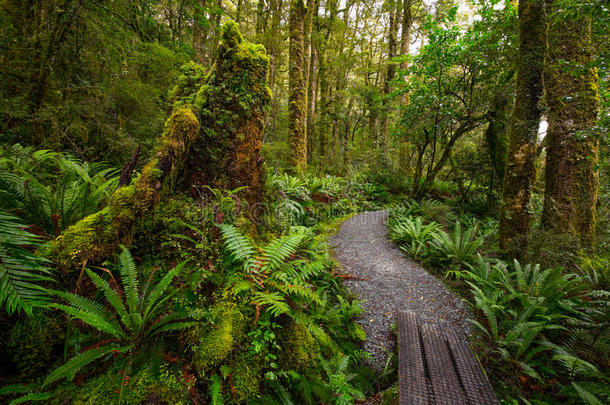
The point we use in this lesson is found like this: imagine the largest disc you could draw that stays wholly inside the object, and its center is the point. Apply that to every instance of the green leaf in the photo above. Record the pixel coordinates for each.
(69, 369)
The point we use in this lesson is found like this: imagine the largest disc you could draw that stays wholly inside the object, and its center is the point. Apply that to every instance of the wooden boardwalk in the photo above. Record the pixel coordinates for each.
(436, 367)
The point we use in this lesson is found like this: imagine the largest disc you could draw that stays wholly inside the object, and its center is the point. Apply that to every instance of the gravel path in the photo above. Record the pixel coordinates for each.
(387, 281)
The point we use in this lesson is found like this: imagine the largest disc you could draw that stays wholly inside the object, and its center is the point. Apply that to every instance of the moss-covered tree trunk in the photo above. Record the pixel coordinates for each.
(97, 236)
(389, 76)
(523, 134)
(405, 38)
(312, 81)
(232, 104)
(496, 134)
(297, 98)
(572, 98)
(213, 137)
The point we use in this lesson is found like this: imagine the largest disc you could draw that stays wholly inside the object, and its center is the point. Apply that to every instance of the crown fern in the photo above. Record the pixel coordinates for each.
(133, 317)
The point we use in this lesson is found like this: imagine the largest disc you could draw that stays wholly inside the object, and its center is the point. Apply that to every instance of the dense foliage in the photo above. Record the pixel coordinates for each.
(171, 173)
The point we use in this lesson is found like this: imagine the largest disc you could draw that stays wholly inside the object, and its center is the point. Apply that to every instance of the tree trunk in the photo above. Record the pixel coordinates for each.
(496, 134)
(570, 81)
(297, 97)
(523, 134)
(405, 38)
(307, 55)
(217, 145)
(390, 73)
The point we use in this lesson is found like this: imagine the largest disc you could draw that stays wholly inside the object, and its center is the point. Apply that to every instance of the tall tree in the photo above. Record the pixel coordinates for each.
(390, 71)
(312, 77)
(297, 97)
(573, 146)
(523, 134)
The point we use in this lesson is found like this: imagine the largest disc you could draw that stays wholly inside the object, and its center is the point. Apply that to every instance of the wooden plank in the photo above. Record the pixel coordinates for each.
(411, 371)
(445, 382)
(477, 388)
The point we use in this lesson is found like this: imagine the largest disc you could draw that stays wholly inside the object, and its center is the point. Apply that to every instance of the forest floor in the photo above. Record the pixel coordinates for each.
(386, 281)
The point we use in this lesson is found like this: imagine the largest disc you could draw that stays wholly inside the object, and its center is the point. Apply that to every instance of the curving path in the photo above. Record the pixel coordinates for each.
(387, 281)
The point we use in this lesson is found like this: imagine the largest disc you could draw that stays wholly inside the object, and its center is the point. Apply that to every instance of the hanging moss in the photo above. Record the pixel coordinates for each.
(97, 236)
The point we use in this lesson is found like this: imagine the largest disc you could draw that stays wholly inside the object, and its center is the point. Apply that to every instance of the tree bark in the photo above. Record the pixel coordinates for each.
(405, 38)
(572, 97)
(523, 134)
(390, 73)
(297, 96)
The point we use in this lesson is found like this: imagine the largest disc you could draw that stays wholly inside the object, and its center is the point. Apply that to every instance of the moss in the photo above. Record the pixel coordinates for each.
(523, 133)
(88, 239)
(97, 236)
(162, 385)
(192, 77)
(300, 349)
(215, 344)
(390, 396)
(571, 172)
(231, 105)
(33, 344)
(246, 379)
(297, 104)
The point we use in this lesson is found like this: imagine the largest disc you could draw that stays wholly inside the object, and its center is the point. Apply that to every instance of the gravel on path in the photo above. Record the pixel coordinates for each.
(387, 281)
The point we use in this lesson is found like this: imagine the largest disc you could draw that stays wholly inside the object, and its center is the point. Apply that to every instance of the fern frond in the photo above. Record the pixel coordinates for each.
(216, 390)
(94, 320)
(113, 299)
(275, 302)
(238, 246)
(129, 279)
(32, 397)
(21, 272)
(157, 292)
(69, 369)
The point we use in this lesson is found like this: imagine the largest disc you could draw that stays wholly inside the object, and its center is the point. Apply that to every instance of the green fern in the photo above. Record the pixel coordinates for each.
(272, 273)
(133, 319)
(216, 390)
(22, 274)
(52, 190)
